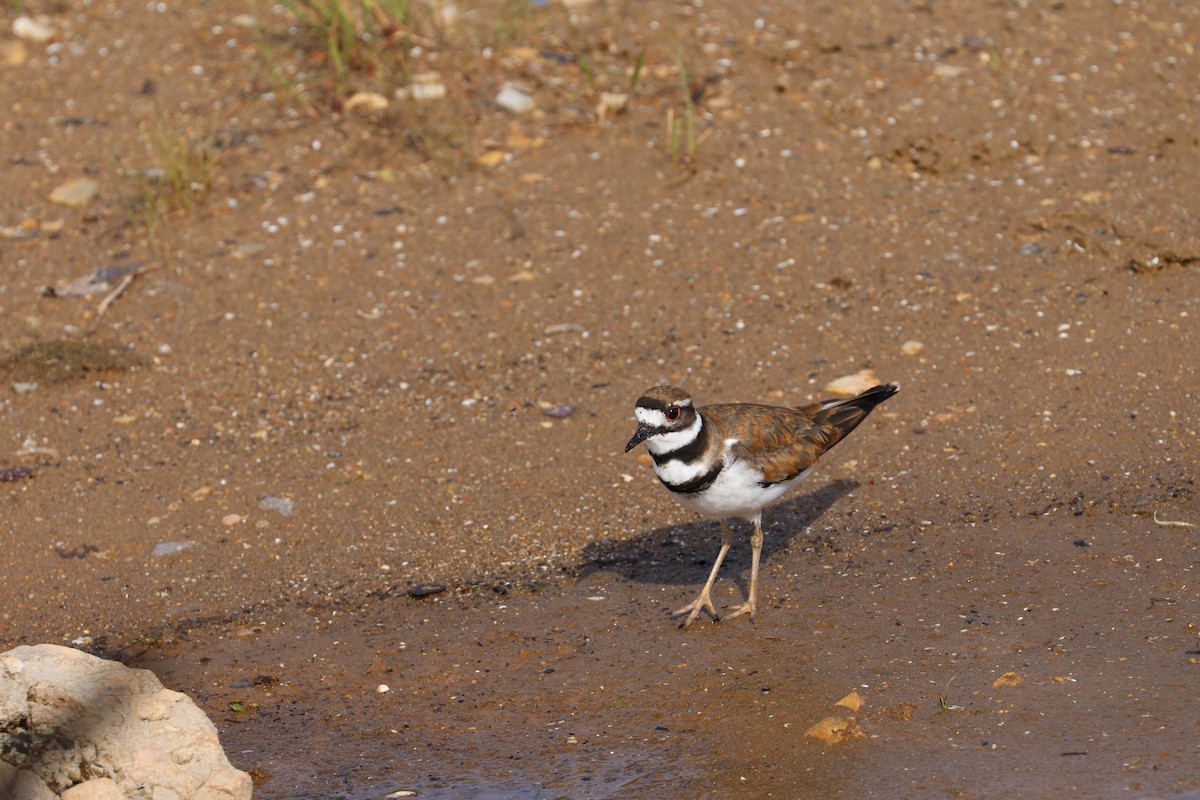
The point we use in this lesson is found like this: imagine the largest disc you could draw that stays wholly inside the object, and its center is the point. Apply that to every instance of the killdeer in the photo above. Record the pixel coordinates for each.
(735, 459)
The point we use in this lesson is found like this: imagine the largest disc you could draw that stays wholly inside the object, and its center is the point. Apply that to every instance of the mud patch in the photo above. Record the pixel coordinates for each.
(60, 361)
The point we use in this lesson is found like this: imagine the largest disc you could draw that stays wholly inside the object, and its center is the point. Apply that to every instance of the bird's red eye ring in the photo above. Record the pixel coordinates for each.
(673, 413)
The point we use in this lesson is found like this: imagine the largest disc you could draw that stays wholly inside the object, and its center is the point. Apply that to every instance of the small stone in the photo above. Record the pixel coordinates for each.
(948, 70)
(77, 192)
(283, 505)
(611, 104)
(833, 730)
(514, 100)
(248, 249)
(14, 474)
(492, 158)
(850, 385)
(427, 86)
(170, 548)
(852, 701)
(911, 347)
(31, 29)
(425, 589)
(229, 520)
(366, 101)
(24, 388)
(1007, 679)
(520, 139)
(382, 688)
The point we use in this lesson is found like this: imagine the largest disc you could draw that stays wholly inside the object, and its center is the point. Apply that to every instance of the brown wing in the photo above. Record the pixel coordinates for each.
(783, 442)
(780, 442)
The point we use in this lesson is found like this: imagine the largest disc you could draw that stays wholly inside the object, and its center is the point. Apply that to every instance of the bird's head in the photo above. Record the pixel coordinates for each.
(660, 412)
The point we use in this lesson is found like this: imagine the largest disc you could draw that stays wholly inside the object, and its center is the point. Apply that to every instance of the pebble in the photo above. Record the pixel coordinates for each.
(852, 701)
(611, 103)
(283, 505)
(514, 100)
(832, 730)
(427, 86)
(229, 520)
(492, 158)
(850, 385)
(1007, 679)
(24, 388)
(32, 30)
(366, 101)
(425, 589)
(14, 474)
(948, 70)
(383, 688)
(170, 548)
(911, 347)
(77, 192)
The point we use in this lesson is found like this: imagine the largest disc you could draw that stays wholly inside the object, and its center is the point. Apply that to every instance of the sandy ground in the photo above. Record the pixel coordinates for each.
(328, 383)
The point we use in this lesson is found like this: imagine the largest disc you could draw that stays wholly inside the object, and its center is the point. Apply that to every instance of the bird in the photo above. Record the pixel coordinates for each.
(732, 460)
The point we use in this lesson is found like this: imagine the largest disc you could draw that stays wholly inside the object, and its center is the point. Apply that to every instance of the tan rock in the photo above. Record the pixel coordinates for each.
(833, 730)
(77, 192)
(852, 701)
(850, 385)
(95, 789)
(1007, 679)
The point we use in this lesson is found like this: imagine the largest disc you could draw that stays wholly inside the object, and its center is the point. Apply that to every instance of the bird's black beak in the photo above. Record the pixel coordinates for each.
(641, 434)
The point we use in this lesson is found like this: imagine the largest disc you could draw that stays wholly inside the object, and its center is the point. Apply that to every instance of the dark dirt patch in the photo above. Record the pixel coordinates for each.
(63, 360)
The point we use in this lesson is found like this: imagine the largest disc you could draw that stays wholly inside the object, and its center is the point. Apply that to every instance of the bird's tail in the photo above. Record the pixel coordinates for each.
(843, 416)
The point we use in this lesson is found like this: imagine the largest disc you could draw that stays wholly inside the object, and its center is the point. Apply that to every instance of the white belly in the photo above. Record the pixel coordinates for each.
(736, 493)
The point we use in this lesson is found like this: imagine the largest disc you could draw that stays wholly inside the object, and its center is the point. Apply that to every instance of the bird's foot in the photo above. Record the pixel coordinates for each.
(745, 608)
(693, 609)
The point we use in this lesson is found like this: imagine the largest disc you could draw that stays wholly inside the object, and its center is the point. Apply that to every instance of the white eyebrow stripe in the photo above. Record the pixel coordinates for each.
(650, 417)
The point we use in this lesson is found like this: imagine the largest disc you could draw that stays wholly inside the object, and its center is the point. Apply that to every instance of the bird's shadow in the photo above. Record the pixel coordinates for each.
(677, 554)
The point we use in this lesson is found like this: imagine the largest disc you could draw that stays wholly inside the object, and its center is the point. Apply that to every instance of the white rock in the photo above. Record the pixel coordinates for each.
(32, 30)
(77, 192)
(427, 86)
(117, 725)
(514, 100)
